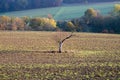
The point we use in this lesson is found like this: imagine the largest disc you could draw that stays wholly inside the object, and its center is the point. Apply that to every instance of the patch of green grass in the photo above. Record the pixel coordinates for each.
(63, 12)
(57, 72)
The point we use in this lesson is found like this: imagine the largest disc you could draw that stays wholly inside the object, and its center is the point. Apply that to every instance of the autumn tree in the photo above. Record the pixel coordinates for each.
(116, 10)
(17, 24)
(26, 20)
(70, 26)
(43, 24)
(90, 13)
(4, 22)
(79, 24)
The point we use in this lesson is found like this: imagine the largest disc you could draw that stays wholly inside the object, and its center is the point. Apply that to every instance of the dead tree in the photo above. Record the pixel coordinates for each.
(61, 38)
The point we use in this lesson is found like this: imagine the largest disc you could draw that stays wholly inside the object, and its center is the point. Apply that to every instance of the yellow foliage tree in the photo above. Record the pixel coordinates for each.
(42, 23)
(4, 22)
(26, 19)
(91, 12)
(19, 23)
(116, 10)
(70, 25)
(51, 22)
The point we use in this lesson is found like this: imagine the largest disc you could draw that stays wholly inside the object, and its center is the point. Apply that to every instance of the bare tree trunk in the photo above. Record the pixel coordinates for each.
(62, 41)
(60, 47)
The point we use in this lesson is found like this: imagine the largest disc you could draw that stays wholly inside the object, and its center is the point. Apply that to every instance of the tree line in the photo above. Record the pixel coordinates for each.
(91, 21)
(15, 5)
(26, 23)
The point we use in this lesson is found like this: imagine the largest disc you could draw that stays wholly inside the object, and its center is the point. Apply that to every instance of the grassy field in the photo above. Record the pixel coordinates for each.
(64, 12)
(86, 56)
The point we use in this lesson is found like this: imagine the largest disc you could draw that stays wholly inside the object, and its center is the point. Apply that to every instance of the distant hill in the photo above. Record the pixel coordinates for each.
(16, 5)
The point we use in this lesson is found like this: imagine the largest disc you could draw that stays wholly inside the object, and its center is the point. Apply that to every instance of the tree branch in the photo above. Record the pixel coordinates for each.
(67, 37)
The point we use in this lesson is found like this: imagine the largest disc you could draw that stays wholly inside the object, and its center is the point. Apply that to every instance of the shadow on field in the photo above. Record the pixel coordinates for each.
(18, 51)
